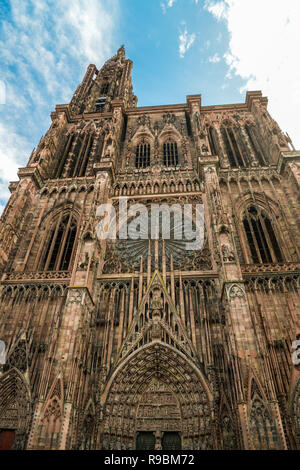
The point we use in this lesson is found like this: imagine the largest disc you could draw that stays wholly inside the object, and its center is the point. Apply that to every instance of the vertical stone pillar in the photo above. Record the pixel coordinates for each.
(290, 162)
(37, 414)
(241, 330)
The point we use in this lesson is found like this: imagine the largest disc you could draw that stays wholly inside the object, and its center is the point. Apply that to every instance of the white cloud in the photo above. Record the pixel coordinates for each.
(185, 42)
(214, 59)
(169, 4)
(264, 51)
(45, 48)
(13, 147)
(217, 8)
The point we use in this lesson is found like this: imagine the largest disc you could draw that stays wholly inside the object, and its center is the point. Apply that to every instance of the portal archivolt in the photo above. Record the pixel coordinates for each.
(15, 409)
(157, 389)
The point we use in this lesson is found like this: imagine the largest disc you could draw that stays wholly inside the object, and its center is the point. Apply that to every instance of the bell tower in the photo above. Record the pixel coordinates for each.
(100, 87)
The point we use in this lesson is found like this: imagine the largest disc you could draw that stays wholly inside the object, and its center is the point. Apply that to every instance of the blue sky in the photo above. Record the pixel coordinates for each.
(219, 48)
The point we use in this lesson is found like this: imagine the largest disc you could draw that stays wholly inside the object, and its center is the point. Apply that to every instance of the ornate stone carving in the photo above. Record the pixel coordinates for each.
(236, 292)
(227, 253)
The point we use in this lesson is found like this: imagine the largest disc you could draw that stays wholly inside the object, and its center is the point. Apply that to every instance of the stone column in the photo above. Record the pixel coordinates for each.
(241, 332)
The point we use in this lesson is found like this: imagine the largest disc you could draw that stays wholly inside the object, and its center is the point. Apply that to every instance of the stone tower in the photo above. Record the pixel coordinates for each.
(138, 343)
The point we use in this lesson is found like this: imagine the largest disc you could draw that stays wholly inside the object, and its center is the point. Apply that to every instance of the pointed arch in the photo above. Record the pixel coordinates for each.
(15, 406)
(51, 416)
(227, 427)
(60, 244)
(261, 422)
(261, 236)
(180, 375)
(261, 226)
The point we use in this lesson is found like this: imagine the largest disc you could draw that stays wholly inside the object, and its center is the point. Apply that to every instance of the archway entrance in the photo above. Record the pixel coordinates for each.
(157, 391)
(14, 410)
(171, 441)
(145, 440)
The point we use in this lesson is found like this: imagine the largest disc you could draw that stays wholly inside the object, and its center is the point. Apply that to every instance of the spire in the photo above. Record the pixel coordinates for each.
(100, 87)
(121, 52)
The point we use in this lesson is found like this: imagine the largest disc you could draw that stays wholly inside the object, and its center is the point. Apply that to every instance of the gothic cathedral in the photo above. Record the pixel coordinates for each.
(137, 343)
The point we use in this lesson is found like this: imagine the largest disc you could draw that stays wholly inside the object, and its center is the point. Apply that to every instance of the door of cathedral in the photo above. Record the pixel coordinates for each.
(171, 441)
(145, 440)
(7, 438)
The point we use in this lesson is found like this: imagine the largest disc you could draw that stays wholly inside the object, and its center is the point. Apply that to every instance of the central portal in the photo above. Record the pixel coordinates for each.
(156, 400)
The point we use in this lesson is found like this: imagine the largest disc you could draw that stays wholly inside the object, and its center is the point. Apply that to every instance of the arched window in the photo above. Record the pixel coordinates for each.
(76, 156)
(261, 237)
(232, 148)
(170, 153)
(255, 145)
(142, 156)
(262, 426)
(60, 244)
(83, 156)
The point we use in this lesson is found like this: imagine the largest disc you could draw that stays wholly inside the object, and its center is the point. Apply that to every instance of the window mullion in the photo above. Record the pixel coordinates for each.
(211, 141)
(62, 245)
(250, 241)
(79, 156)
(257, 148)
(239, 148)
(53, 242)
(137, 156)
(86, 154)
(140, 155)
(145, 156)
(254, 237)
(270, 246)
(261, 238)
(63, 160)
(232, 148)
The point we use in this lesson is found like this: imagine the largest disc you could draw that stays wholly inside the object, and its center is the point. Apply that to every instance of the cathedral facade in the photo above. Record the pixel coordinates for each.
(137, 343)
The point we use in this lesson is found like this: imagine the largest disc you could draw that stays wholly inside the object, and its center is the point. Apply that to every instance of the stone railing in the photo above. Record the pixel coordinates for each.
(37, 276)
(270, 268)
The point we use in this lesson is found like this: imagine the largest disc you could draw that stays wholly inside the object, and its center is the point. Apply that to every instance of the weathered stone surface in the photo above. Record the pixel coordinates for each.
(132, 343)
